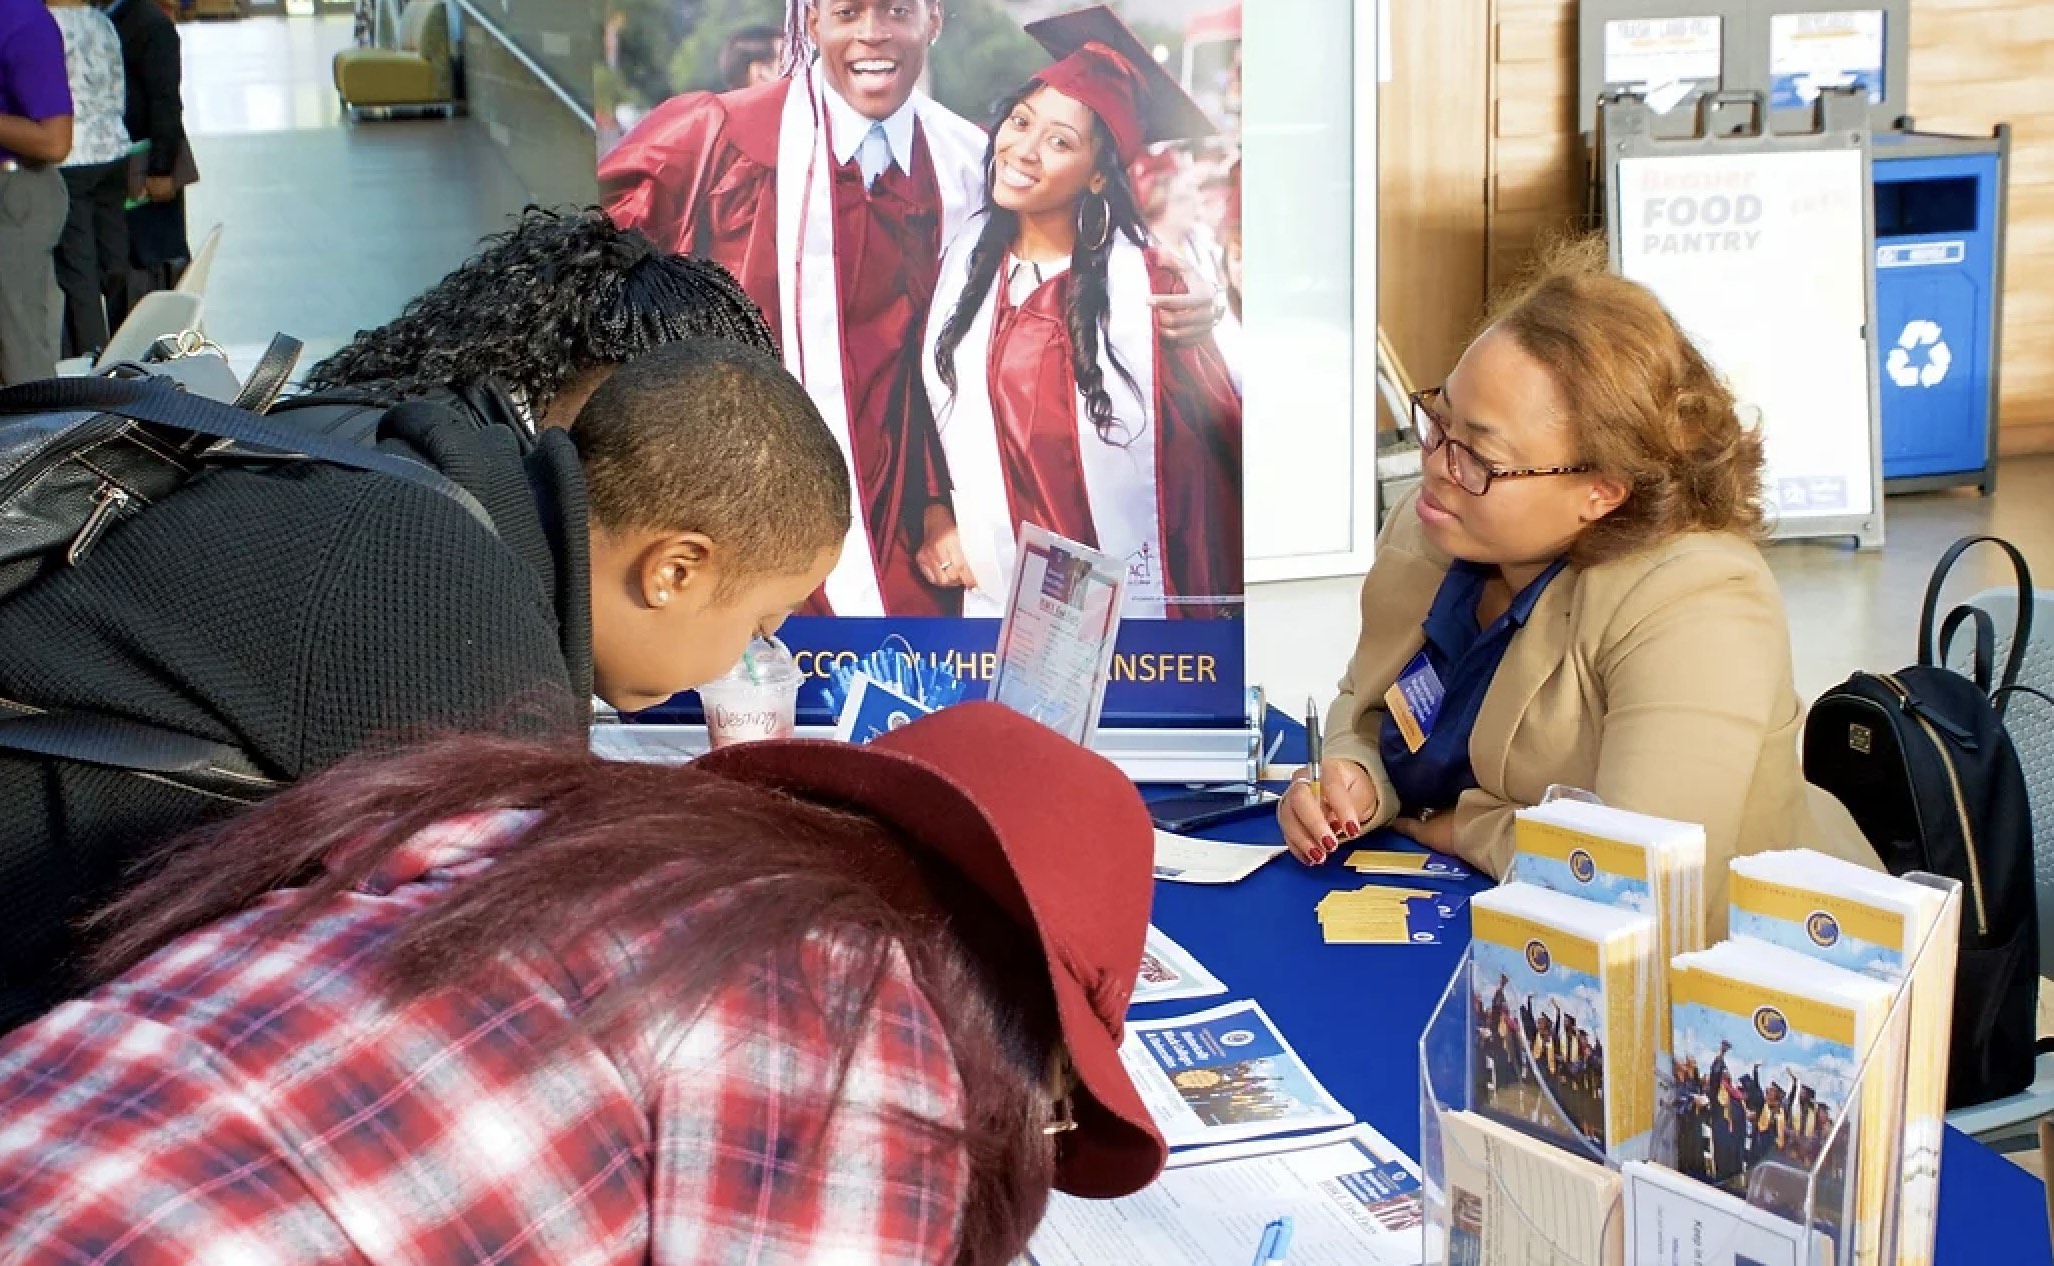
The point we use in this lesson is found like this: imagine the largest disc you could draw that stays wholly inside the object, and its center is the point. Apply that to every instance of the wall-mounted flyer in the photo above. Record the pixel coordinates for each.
(1810, 51)
(1668, 60)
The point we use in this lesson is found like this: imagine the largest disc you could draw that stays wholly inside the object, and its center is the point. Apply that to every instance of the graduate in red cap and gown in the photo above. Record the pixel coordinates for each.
(829, 195)
(1055, 398)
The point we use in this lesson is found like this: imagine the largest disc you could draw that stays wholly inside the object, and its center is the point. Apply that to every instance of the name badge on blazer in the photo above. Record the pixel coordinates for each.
(1414, 701)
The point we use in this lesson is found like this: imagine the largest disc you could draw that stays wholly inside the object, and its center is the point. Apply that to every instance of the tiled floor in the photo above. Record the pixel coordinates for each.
(328, 227)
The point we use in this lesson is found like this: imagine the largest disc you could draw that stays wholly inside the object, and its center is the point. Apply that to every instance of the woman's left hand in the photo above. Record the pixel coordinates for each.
(1436, 832)
(1188, 318)
(941, 559)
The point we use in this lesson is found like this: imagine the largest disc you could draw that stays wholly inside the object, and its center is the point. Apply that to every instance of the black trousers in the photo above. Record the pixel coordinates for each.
(92, 256)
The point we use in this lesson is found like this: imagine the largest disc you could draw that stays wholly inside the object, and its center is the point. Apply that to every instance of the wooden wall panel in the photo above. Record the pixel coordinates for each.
(1974, 64)
(1536, 161)
(1431, 132)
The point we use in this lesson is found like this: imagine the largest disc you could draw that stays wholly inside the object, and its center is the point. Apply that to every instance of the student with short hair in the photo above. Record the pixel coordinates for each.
(800, 1002)
(304, 612)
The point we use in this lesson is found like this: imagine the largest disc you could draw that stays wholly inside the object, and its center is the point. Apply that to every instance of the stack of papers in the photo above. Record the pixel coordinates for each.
(1369, 861)
(1225, 1075)
(1385, 916)
(1777, 1105)
(1617, 858)
(1352, 1198)
(1515, 1201)
(1565, 1040)
(1672, 1221)
(1169, 973)
(1873, 923)
(1194, 861)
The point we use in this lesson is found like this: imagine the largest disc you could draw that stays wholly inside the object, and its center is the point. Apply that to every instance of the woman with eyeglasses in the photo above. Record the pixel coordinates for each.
(800, 1002)
(1573, 597)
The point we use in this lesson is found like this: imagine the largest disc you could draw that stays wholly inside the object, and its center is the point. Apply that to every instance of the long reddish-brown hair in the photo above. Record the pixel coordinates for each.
(617, 846)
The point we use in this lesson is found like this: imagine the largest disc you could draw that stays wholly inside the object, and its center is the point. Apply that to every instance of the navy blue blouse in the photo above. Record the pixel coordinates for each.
(1464, 658)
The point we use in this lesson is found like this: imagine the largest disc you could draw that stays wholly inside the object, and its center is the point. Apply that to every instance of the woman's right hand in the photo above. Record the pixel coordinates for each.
(941, 558)
(1313, 825)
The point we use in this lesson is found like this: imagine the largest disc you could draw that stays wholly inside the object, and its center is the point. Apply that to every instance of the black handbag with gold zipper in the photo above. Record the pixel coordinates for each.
(1922, 760)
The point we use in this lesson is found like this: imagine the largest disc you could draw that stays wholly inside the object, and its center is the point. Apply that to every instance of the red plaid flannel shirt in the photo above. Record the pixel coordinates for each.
(249, 1098)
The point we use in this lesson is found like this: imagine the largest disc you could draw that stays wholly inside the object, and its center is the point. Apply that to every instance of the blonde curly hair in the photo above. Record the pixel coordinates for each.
(1643, 405)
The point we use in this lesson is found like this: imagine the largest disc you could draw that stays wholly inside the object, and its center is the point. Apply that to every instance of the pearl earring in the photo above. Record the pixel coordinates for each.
(662, 596)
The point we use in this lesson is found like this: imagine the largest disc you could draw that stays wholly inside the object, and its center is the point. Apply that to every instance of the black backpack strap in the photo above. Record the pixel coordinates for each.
(2022, 629)
(274, 370)
(2002, 695)
(1984, 663)
(156, 402)
(195, 764)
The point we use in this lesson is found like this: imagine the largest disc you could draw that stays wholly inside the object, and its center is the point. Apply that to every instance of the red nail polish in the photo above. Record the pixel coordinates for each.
(1354, 829)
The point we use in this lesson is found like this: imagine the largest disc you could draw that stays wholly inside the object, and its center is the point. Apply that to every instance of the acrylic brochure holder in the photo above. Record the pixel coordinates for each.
(1844, 1208)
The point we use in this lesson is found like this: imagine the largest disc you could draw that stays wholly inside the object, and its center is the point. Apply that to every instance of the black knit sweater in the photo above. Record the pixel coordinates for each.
(302, 614)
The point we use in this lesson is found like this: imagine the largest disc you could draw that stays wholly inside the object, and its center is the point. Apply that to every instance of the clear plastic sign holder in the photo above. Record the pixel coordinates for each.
(1851, 1209)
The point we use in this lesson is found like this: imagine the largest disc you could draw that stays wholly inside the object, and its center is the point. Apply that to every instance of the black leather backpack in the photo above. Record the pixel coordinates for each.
(1921, 758)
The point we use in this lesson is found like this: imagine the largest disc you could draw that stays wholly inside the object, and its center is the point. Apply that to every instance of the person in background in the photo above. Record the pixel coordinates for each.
(524, 331)
(150, 56)
(300, 614)
(799, 1002)
(1057, 399)
(751, 57)
(92, 255)
(35, 136)
(1574, 596)
(1172, 201)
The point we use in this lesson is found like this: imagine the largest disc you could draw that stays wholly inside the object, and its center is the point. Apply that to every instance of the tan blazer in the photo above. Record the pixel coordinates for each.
(1661, 682)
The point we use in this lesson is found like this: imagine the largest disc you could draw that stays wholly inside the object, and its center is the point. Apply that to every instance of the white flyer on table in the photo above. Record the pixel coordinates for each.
(1353, 1200)
(1676, 1221)
(1170, 974)
(1194, 861)
(1223, 1075)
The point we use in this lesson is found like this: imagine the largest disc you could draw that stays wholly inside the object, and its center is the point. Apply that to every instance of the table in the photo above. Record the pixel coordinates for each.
(1355, 1013)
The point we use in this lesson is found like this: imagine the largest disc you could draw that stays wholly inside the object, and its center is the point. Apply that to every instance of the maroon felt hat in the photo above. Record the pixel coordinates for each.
(1059, 839)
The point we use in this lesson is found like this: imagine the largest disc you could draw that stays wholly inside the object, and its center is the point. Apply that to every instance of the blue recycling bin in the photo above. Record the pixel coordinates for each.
(1939, 247)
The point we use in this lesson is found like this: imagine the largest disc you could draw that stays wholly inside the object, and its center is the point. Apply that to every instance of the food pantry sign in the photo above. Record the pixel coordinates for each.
(1763, 256)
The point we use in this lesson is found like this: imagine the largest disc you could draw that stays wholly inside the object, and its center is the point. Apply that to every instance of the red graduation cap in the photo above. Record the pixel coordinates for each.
(1103, 64)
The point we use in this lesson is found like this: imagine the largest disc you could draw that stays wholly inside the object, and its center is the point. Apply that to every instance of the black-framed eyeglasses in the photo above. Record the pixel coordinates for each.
(1472, 474)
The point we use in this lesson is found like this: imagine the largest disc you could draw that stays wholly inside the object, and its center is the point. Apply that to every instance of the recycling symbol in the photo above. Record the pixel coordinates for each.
(1903, 364)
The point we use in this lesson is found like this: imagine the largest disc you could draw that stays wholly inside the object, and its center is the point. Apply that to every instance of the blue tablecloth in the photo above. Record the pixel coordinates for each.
(1355, 1013)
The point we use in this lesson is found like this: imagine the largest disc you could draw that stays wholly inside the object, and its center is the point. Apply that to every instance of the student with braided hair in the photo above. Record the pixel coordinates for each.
(524, 331)
(1056, 398)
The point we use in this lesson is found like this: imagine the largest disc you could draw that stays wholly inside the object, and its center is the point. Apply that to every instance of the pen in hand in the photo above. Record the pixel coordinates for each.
(1275, 1245)
(1313, 744)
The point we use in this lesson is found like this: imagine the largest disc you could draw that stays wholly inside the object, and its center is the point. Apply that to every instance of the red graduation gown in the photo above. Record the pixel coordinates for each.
(1198, 442)
(699, 176)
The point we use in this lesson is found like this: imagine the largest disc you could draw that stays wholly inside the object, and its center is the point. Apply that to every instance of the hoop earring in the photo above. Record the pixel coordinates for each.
(1105, 221)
